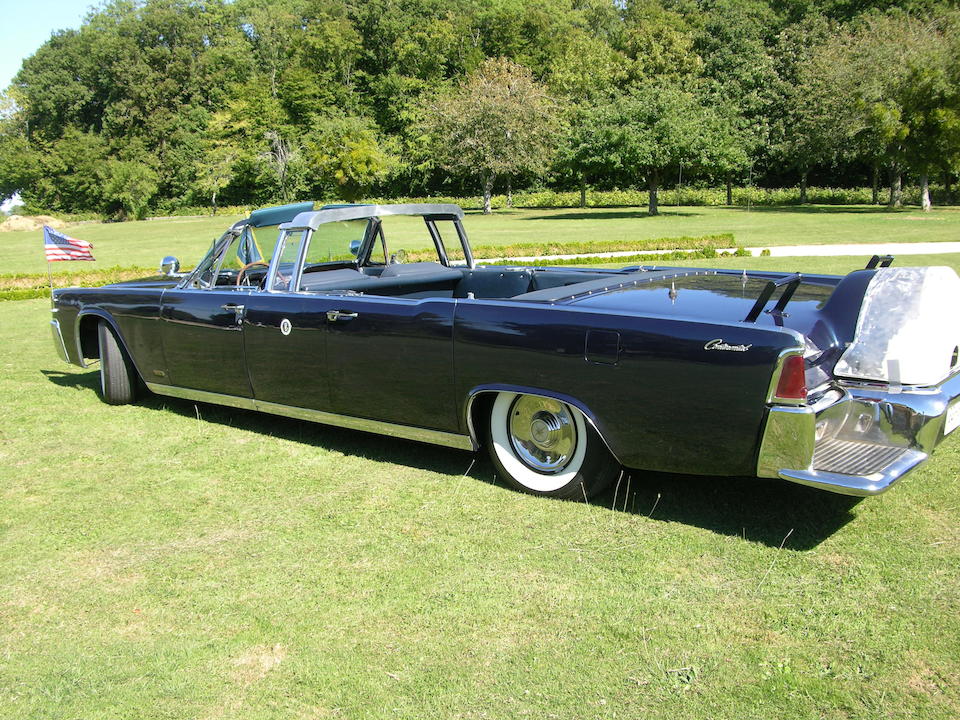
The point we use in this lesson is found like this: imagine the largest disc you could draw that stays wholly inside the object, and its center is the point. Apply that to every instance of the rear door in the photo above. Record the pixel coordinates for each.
(391, 359)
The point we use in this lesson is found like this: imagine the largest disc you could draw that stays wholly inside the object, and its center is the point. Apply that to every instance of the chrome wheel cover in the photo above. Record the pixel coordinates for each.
(543, 433)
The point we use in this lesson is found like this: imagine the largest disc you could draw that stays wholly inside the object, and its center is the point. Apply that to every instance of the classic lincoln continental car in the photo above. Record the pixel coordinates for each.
(564, 375)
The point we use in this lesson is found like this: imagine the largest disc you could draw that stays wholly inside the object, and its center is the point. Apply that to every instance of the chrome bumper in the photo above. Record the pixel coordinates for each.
(859, 439)
(58, 340)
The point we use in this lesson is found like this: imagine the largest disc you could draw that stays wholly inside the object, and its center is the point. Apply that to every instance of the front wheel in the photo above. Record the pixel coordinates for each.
(117, 375)
(545, 447)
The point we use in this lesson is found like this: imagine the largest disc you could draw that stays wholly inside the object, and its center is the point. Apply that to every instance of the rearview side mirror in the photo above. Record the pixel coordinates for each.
(169, 266)
(354, 247)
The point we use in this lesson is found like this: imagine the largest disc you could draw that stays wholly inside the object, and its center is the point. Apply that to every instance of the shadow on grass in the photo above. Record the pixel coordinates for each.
(756, 510)
(624, 214)
(823, 209)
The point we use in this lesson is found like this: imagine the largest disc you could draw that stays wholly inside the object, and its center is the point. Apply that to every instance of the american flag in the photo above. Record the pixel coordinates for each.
(61, 247)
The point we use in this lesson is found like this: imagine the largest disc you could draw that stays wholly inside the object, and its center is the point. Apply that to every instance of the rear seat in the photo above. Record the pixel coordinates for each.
(396, 279)
(343, 279)
(490, 283)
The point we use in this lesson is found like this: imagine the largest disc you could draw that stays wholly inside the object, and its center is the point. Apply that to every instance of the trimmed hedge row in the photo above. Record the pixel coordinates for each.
(722, 240)
(26, 286)
(646, 259)
(742, 196)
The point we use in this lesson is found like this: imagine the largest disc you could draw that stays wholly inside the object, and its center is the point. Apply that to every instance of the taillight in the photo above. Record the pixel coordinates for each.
(792, 384)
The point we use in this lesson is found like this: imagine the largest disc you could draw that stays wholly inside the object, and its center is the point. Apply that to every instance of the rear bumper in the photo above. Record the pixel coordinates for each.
(859, 439)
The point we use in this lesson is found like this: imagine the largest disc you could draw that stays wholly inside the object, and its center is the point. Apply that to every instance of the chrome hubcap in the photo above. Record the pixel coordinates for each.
(543, 433)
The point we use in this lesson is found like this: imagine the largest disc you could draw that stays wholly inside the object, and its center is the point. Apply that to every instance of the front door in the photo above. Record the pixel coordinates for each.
(202, 338)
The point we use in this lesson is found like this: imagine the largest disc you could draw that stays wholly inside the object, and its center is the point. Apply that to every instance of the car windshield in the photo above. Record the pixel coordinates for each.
(233, 256)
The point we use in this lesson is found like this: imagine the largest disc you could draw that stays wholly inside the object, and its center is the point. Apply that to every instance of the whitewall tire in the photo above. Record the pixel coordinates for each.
(546, 447)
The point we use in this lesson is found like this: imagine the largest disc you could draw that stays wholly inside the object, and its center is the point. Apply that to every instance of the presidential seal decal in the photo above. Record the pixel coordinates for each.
(285, 326)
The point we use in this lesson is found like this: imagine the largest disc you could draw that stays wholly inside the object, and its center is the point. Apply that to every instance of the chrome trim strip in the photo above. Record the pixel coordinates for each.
(58, 340)
(313, 219)
(856, 485)
(407, 432)
(202, 396)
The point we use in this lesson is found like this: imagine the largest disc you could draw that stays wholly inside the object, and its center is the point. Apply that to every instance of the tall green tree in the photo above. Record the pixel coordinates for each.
(348, 154)
(500, 122)
(655, 129)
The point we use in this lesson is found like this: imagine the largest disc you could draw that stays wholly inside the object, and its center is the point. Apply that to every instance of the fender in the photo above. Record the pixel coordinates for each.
(108, 318)
(489, 388)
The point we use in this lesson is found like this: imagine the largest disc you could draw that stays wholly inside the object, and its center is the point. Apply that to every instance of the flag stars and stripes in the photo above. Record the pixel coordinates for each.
(58, 246)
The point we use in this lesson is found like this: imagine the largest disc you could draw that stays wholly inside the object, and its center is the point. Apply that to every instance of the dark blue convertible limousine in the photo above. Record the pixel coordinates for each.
(564, 375)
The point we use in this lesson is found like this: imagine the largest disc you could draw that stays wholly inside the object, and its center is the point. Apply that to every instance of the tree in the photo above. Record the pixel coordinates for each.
(891, 87)
(348, 154)
(656, 128)
(499, 122)
(284, 160)
(131, 185)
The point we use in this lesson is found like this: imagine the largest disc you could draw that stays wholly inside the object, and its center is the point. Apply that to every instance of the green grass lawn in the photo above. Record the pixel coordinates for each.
(145, 243)
(179, 560)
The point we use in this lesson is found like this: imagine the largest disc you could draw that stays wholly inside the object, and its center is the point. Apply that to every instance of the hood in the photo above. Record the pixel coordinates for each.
(154, 281)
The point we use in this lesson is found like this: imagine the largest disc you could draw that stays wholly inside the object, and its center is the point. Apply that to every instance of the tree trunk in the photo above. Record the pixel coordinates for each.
(947, 192)
(509, 192)
(654, 187)
(925, 191)
(729, 190)
(583, 191)
(803, 186)
(487, 192)
(214, 200)
(896, 188)
(876, 184)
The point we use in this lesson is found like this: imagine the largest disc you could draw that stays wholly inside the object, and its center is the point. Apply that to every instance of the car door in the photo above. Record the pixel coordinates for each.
(391, 359)
(201, 331)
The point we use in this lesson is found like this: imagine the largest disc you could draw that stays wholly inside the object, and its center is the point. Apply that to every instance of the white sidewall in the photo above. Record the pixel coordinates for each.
(530, 479)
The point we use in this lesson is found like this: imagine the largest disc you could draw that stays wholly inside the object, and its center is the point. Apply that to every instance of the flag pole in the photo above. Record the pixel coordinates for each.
(49, 271)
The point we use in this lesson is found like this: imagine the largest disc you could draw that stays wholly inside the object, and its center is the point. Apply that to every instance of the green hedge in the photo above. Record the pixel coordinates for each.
(722, 240)
(646, 259)
(717, 196)
(25, 286)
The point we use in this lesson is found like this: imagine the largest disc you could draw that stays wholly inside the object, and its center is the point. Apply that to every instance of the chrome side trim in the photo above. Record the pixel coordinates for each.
(857, 485)
(202, 396)
(58, 340)
(789, 437)
(407, 432)
(477, 392)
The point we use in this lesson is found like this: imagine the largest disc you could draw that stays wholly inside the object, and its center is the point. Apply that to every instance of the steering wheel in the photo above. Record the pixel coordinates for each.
(246, 267)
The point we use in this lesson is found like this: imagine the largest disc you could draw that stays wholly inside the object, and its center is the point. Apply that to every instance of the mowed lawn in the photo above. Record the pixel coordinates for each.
(179, 560)
(145, 243)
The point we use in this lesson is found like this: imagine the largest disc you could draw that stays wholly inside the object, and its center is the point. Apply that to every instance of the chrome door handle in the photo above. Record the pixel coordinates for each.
(237, 311)
(334, 315)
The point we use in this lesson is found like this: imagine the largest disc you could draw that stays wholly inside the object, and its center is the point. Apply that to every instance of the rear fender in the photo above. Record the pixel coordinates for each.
(480, 398)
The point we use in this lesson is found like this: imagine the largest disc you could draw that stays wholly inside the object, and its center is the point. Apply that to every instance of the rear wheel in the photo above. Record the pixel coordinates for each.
(117, 375)
(545, 447)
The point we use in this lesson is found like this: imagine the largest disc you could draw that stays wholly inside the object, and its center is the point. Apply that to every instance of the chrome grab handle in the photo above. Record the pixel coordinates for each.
(237, 311)
(334, 315)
